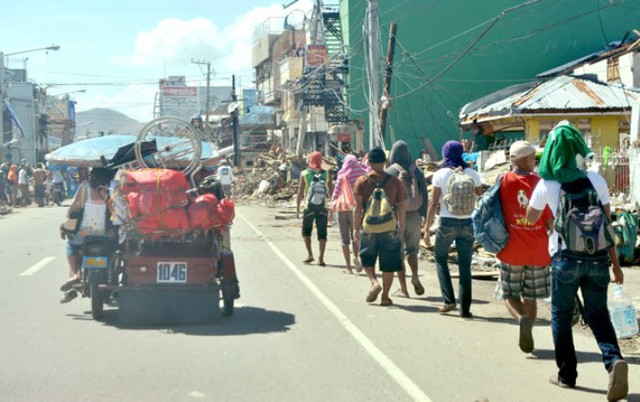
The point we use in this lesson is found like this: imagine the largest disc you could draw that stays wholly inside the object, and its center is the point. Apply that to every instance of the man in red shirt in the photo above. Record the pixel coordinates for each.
(525, 260)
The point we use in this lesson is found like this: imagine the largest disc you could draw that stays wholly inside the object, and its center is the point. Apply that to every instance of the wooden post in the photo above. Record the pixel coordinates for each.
(388, 70)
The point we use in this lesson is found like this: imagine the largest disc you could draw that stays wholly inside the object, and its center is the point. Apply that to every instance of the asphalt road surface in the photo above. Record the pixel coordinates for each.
(299, 333)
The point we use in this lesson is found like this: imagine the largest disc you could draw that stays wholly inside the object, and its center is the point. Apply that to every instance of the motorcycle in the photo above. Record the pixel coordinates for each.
(57, 193)
(101, 269)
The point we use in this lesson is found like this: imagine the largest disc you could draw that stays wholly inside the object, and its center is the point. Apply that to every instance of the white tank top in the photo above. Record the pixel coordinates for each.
(93, 218)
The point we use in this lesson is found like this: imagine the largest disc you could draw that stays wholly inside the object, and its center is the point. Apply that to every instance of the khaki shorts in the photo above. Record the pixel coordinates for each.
(412, 233)
(345, 224)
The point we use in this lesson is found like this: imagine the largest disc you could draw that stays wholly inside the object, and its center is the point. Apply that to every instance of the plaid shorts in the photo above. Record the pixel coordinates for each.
(524, 281)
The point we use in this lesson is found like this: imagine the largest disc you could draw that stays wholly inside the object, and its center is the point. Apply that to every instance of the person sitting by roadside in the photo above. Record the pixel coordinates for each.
(92, 197)
(350, 172)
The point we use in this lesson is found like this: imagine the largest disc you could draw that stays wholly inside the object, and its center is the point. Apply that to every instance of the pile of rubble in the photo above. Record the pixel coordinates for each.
(274, 177)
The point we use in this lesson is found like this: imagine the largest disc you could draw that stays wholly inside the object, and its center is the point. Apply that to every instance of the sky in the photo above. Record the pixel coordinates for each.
(116, 51)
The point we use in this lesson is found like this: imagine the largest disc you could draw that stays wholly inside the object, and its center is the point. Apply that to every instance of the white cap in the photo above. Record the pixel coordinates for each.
(521, 149)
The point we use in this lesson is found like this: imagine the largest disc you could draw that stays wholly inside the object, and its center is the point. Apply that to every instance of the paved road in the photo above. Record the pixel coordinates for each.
(300, 332)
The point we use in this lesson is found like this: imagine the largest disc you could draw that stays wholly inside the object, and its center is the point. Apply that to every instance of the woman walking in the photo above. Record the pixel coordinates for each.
(349, 173)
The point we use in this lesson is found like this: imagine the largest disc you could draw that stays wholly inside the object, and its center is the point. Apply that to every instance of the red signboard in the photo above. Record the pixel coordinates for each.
(316, 55)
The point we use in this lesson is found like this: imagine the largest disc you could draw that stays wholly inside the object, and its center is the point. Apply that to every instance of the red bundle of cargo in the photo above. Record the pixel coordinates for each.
(157, 200)
(206, 212)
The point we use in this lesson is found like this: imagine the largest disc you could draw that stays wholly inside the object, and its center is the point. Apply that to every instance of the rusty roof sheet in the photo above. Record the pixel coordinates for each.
(563, 93)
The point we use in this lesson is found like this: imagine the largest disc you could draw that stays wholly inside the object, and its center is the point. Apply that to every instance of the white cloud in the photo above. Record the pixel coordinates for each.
(174, 43)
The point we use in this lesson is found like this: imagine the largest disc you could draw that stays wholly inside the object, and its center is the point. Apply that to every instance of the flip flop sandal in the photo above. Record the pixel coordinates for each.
(309, 260)
(373, 293)
(69, 284)
(387, 302)
(322, 264)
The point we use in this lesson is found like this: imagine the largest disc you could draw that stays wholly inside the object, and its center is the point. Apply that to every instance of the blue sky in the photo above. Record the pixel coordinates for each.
(117, 50)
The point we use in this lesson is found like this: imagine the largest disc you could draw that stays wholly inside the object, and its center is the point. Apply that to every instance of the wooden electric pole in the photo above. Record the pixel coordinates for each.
(385, 104)
(234, 117)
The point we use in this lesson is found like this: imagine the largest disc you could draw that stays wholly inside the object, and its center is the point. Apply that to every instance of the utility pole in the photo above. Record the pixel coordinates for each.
(2, 83)
(386, 89)
(373, 27)
(234, 116)
(206, 113)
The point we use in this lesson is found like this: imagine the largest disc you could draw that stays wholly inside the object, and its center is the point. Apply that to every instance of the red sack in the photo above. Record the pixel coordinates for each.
(157, 200)
(202, 210)
(165, 180)
(225, 212)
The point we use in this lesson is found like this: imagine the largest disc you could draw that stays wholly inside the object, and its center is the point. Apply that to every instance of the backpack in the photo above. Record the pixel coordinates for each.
(461, 193)
(378, 215)
(581, 221)
(317, 192)
(488, 223)
(410, 182)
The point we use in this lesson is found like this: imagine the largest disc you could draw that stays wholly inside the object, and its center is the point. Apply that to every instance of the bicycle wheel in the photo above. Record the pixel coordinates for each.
(178, 145)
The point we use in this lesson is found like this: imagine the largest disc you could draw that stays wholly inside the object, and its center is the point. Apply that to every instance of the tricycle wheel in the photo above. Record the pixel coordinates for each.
(227, 309)
(97, 306)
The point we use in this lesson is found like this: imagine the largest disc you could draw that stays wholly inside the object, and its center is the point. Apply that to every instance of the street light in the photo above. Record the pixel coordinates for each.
(52, 47)
(3, 56)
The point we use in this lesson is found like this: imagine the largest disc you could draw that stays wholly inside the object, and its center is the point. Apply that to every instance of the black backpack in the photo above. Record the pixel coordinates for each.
(581, 221)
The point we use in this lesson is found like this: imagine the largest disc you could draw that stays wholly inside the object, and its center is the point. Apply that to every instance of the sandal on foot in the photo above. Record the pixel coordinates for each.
(69, 284)
(446, 308)
(555, 380)
(357, 265)
(309, 260)
(387, 302)
(373, 293)
(68, 296)
(417, 286)
(347, 271)
(526, 338)
(401, 293)
(322, 264)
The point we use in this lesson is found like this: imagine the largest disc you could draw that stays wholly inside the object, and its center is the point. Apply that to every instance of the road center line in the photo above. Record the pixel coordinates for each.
(37, 266)
(385, 362)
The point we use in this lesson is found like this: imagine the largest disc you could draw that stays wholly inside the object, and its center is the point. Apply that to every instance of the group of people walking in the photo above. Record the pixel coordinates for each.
(383, 208)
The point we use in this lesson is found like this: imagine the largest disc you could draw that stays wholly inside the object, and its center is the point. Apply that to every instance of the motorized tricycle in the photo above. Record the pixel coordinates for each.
(172, 261)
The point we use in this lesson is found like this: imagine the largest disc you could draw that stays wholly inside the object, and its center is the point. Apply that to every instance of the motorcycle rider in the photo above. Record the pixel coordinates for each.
(92, 197)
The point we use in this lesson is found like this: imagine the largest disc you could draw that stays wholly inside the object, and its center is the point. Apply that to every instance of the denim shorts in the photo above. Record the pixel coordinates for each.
(386, 246)
(74, 245)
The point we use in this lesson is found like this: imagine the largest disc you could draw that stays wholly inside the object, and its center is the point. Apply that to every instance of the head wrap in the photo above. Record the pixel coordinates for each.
(452, 153)
(315, 160)
(558, 161)
(400, 154)
(352, 166)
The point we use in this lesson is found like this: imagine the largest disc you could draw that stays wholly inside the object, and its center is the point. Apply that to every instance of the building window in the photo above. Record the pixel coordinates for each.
(613, 69)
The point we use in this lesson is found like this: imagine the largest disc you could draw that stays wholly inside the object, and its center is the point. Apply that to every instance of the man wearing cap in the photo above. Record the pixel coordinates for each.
(312, 213)
(525, 260)
(386, 246)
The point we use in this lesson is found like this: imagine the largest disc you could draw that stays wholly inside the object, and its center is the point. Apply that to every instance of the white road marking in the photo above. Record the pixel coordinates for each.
(385, 362)
(36, 267)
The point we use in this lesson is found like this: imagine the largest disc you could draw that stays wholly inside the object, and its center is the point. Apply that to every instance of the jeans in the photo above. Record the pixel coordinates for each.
(460, 230)
(592, 277)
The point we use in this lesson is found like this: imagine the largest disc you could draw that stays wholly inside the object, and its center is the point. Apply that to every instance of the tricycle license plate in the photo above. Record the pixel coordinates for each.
(94, 262)
(172, 272)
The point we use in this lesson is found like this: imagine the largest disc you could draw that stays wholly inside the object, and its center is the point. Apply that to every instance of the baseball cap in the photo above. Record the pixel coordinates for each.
(377, 155)
(520, 149)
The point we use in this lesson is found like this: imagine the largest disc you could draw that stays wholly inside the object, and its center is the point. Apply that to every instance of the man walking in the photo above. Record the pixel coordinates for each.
(402, 166)
(377, 221)
(579, 265)
(524, 261)
(314, 187)
(455, 188)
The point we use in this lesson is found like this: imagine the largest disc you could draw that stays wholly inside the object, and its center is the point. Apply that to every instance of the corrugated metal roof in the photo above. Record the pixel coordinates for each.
(563, 93)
